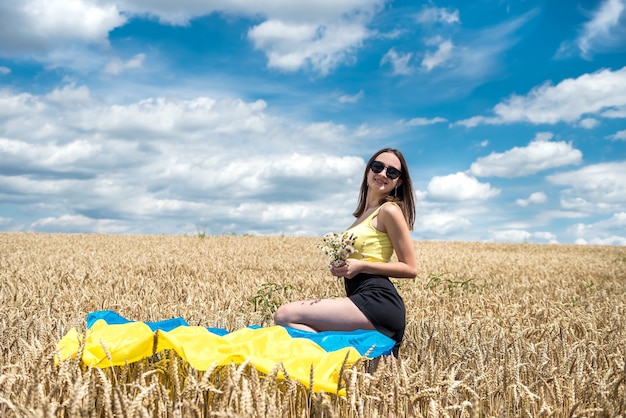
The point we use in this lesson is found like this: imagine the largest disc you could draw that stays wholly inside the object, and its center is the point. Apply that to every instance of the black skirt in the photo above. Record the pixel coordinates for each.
(381, 304)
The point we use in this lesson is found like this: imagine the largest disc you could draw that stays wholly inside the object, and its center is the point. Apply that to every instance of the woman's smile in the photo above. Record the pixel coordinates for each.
(380, 182)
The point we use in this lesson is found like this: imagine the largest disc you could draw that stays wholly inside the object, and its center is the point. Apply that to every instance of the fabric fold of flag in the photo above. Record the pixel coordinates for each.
(112, 340)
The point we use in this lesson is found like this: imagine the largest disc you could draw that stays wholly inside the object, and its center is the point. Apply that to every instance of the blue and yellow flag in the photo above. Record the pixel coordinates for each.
(112, 340)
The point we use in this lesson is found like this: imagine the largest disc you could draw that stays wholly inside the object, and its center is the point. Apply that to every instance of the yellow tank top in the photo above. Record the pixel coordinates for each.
(371, 244)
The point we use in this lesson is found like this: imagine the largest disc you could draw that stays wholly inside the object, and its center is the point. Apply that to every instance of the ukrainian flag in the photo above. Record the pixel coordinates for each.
(112, 340)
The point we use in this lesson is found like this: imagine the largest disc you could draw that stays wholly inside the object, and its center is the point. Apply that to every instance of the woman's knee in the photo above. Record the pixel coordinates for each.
(283, 316)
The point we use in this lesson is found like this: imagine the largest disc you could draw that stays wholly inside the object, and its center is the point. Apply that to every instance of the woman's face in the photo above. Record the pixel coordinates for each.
(381, 181)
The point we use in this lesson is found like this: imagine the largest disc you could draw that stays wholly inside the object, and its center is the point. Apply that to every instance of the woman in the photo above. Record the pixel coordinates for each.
(384, 218)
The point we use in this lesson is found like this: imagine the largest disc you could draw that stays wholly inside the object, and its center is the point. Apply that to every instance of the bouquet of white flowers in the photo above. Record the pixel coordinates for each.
(338, 247)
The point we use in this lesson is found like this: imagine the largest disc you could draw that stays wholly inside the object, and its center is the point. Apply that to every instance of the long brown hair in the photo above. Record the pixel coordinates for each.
(403, 195)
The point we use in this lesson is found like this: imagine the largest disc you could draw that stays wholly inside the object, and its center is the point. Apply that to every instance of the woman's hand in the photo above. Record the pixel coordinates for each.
(348, 269)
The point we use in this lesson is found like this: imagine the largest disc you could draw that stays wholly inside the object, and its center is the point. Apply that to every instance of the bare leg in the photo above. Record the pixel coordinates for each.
(338, 314)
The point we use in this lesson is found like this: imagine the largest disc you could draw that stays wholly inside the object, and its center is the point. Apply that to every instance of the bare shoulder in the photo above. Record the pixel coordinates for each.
(391, 209)
(391, 212)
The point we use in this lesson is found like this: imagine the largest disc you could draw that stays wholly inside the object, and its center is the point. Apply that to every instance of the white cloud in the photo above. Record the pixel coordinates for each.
(596, 188)
(323, 132)
(42, 25)
(474, 121)
(588, 123)
(425, 121)
(610, 231)
(618, 136)
(318, 35)
(460, 187)
(49, 154)
(441, 223)
(4, 70)
(543, 136)
(291, 46)
(78, 223)
(539, 155)
(511, 235)
(568, 101)
(546, 236)
(604, 29)
(69, 95)
(116, 65)
(618, 112)
(438, 15)
(469, 58)
(170, 118)
(400, 63)
(182, 11)
(440, 56)
(100, 166)
(346, 98)
(534, 198)
(522, 236)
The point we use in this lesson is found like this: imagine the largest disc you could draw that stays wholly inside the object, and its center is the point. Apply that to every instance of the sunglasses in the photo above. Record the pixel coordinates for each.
(378, 167)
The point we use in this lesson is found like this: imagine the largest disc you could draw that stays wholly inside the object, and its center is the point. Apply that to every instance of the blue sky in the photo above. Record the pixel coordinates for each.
(246, 117)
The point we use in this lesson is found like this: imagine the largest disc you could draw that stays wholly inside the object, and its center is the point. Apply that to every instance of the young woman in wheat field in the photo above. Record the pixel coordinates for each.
(384, 218)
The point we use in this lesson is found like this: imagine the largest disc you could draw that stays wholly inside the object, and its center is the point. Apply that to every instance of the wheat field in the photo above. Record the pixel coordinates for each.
(493, 330)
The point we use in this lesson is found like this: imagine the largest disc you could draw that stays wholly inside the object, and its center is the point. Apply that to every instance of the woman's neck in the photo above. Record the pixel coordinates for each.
(372, 203)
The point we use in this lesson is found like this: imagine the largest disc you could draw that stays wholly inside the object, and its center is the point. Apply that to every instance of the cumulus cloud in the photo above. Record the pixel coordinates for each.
(568, 101)
(511, 235)
(617, 112)
(4, 70)
(546, 236)
(182, 11)
(400, 62)
(588, 123)
(319, 35)
(78, 223)
(441, 223)
(99, 166)
(596, 188)
(521, 236)
(322, 39)
(609, 231)
(49, 154)
(291, 46)
(534, 198)
(539, 155)
(42, 25)
(460, 187)
(442, 54)
(116, 65)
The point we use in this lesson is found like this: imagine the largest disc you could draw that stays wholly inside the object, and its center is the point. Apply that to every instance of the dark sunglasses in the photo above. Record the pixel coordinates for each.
(392, 172)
